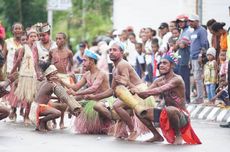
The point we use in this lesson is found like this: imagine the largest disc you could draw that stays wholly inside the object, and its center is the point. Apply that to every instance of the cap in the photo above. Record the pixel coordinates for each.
(185, 40)
(171, 57)
(193, 17)
(91, 54)
(31, 30)
(50, 70)
(163, 25)
(121, 46)
(82, 45)
(44, 28)
(211, 51)
(182, 17)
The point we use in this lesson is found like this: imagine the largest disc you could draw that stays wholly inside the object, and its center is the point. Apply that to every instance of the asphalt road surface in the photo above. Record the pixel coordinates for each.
(15, 137)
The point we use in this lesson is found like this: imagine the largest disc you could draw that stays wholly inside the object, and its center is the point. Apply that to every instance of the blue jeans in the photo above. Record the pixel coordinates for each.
(184, 72)
(210, 89)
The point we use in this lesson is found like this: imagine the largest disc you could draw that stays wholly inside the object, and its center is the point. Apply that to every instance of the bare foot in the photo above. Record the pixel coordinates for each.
(13, 116)
(21, 112)
(133, 136)
(156, 139)
(62, 126)
(27, 122)
(122, 135)
(178, 140)
(48, 128)
(53, 125)
(42, 127)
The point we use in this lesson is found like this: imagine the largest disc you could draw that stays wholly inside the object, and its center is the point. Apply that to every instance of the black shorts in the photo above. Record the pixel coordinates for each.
(156, 115)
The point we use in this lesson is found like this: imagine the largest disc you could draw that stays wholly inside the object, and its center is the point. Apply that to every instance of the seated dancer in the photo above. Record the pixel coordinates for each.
(174, 118)
(41, 105)
(96, 81)
(123, 74)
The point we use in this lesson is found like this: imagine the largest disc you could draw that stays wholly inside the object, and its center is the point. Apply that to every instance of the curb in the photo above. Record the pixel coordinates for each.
(210, 113)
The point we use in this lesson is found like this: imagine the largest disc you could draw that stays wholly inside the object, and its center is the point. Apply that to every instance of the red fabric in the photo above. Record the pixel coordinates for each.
(187, 132)
(2, 32)
(154, 67)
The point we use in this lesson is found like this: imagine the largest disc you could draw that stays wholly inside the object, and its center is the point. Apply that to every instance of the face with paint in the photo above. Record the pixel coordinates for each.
(165, 66)
(44, 37)
(60, 40)
(87, 63)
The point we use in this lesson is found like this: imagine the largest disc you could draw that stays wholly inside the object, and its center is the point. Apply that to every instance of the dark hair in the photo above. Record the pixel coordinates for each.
(140, 44)
(210, 22)
(44, 65)
(204, 26)
(176, 29)
(155, 41)
(217, 26)
(172, 40)
(133, 34)
(152, 31)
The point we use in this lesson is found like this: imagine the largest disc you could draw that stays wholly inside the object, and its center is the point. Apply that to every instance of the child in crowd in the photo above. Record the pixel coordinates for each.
(222, 90)
(210, 73)
(140, 60)
(223, 64)
(157, 57)
(173, 48)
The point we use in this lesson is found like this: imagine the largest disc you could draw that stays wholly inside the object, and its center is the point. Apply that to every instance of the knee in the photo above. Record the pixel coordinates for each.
(97, 106)
(57, 114)
(116, 107)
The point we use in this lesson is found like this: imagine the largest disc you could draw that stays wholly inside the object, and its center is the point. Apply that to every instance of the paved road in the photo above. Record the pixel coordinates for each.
(14, 137)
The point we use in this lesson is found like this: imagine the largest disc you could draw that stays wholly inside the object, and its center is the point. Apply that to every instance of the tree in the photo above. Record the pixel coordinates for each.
(86, 20)
(28, 12)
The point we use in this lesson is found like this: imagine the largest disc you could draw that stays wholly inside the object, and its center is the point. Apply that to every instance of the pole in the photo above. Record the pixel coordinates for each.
(83, 18)
(50, 20)
(200, 10)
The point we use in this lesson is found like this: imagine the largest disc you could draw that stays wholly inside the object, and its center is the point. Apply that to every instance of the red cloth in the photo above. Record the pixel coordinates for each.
(187, 132)
(2, 32)
(154, 68)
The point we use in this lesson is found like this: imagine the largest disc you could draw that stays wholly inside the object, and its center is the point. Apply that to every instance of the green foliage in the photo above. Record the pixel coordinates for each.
(85, 24)
(27, 12)
(86, 20)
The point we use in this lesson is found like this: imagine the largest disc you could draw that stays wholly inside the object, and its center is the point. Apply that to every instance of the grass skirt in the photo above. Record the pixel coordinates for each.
(13, 99)
(88, 122)
(26, 88)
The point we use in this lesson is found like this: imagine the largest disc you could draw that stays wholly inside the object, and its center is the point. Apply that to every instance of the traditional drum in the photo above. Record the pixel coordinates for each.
(74, 106)
(133, 101)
